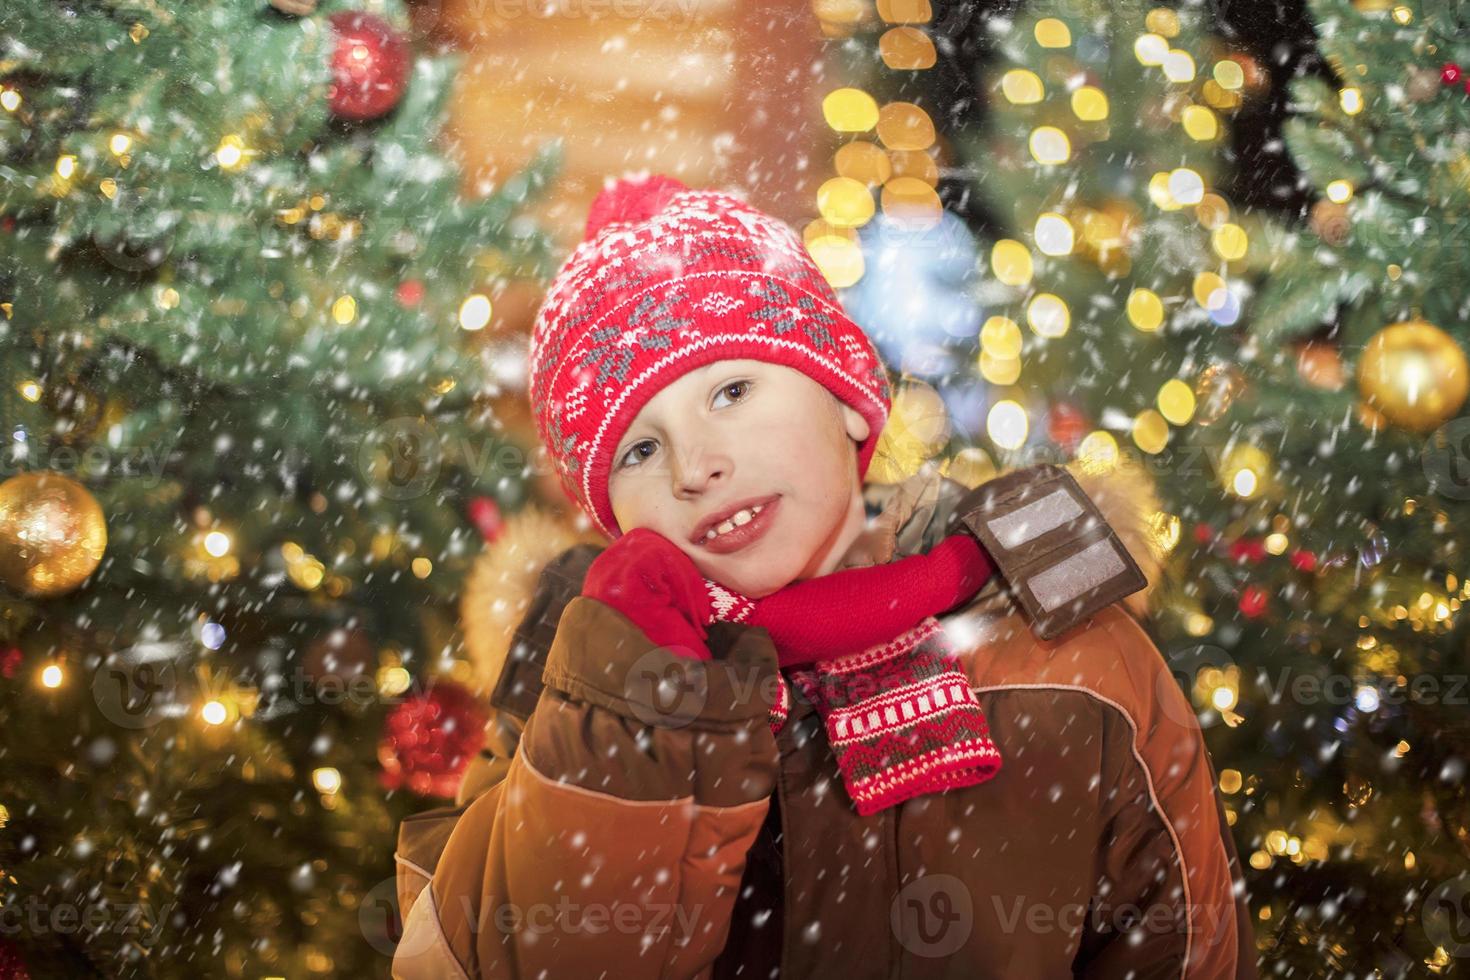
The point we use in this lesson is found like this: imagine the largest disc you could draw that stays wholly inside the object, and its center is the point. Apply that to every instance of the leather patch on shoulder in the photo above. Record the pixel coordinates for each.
(1055, 550)
(519, 686)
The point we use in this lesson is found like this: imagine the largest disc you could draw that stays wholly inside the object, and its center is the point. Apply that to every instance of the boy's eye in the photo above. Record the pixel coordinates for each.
(633, 454)
(743, 386)
(633, 457)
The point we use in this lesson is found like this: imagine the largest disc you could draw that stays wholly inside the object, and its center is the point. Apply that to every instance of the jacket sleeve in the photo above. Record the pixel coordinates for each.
(618, 837)
(1170, 899)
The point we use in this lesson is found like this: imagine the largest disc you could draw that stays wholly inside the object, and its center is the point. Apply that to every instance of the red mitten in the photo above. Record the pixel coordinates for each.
(856, 608)
(645, 576)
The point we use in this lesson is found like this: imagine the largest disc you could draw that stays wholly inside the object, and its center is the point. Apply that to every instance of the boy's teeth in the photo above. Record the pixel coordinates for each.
(738, 519)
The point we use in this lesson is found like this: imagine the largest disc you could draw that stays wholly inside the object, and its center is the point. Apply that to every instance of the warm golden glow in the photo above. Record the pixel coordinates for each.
(1022, 87)
(344, 309)
(1229, 241)
(850, 110)
(1098, 452)
(1176, 401)
(1199, 123)
(1052, 33)
(1001, 337)
(1010, 260)
(840, 259)
(1090, 103)
(1145, 310)
(905, 126)
(1150, 431)
(845, 202)
(863, 161)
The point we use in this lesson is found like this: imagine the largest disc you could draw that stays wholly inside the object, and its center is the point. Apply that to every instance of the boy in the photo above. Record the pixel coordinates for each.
(672, 807)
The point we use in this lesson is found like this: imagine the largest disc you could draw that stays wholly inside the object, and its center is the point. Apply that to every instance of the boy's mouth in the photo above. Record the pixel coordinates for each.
(736, 527)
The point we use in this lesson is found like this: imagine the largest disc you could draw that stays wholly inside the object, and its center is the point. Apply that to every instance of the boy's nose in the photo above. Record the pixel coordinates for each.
(695, 470)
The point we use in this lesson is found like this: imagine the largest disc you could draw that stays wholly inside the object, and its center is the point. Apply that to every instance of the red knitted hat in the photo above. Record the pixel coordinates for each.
(666, 280)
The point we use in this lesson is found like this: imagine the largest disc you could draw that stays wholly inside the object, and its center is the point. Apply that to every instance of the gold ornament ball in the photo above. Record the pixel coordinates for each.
(52, 534)
(1414, 374)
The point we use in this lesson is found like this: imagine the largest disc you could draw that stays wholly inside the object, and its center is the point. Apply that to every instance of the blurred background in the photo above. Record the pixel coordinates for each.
(272, 500)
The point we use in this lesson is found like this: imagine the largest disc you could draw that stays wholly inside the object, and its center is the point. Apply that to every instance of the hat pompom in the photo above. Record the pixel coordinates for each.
(636, 199)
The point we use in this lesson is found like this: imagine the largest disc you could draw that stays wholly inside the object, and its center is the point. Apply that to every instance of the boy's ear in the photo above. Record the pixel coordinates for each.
(857, 426)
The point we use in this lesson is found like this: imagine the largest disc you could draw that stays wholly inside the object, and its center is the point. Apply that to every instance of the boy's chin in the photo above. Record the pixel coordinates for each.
(754, 579)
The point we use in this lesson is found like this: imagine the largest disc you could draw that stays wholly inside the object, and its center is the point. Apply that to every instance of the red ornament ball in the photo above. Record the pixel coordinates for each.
(1066, 425)
(486, 517)
(1253, 601)
(10, 661)
(1248, 549)
(1449, 73)
(410, 293)
(1303, 560)
(429, 740)
(369, 66)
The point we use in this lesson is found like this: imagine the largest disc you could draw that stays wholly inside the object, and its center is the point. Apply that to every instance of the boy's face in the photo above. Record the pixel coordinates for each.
(744, 430)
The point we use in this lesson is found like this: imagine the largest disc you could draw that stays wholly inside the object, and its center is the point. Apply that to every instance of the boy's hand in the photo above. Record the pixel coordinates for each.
(645, 576)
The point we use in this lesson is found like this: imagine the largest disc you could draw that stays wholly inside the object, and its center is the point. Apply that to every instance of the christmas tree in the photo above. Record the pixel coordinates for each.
(247, 460)
(1309, 524)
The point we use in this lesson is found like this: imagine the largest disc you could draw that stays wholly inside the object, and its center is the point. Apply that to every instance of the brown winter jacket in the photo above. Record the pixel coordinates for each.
(646, 823)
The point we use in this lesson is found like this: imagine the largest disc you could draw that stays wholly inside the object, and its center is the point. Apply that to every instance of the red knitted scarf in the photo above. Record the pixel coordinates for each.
(900, 715)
